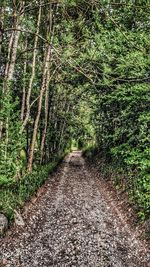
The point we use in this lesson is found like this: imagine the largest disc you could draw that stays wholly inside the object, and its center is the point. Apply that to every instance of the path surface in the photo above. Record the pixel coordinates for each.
(72, 224)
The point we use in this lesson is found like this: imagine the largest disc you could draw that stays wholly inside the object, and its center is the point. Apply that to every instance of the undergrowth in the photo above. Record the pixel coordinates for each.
(14, 195)
(134, 182)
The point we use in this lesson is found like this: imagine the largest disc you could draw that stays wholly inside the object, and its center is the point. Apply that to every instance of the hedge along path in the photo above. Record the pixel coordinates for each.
(73, 224)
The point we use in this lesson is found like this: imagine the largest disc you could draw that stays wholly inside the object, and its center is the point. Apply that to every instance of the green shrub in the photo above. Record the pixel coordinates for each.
(14, 196)
(134, 177)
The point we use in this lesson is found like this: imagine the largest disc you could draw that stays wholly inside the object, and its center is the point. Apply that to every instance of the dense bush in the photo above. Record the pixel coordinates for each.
(124, 137)
(134, 182)
(121, 105)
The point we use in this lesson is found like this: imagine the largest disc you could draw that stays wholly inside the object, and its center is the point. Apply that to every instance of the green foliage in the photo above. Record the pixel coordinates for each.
(89, 151)
(119, 56)
(125, 137)
(99, 92)
(14, 197)
(12, 142)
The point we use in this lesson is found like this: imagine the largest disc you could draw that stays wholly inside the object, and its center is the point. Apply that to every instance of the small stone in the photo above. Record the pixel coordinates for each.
(3, 223)
(18, 219)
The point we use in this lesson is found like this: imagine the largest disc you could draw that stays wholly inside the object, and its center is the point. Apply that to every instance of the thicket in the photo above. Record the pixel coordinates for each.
(14, 194)
(75, 70)
(120, 47)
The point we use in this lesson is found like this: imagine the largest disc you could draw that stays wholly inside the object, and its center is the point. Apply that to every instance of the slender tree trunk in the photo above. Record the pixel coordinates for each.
(1, 26)
(10, 65)
(46, 117)
(50, 116)
(12, 61)
(8, 78)
(32, 74)
(5, 83)
(51, 34)
(8, 59)
(12, 47)
(1, 41)
(27, 141)
(24, 85)
(36, 124)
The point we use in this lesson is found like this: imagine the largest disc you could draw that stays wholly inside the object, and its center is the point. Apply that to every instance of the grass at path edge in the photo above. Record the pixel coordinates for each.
(14, 196)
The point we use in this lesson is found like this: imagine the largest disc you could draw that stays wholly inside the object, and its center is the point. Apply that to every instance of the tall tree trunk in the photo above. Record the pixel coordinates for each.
(11, 59)
(1, 41)
(8, 60)
(11, 63)
(24, 84)
(12, 47)
(1, 26)
(36, 124)
(46, 117)
(50, 116)
(33, 73)
(49, 33)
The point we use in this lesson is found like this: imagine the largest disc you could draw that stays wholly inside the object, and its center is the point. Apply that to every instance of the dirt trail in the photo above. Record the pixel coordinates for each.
(72, 224)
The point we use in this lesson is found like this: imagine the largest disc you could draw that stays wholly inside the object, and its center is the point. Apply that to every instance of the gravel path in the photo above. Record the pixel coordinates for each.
(72, 224)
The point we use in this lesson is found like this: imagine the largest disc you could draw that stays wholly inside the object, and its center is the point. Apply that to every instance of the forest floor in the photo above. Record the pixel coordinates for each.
(73, 222)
